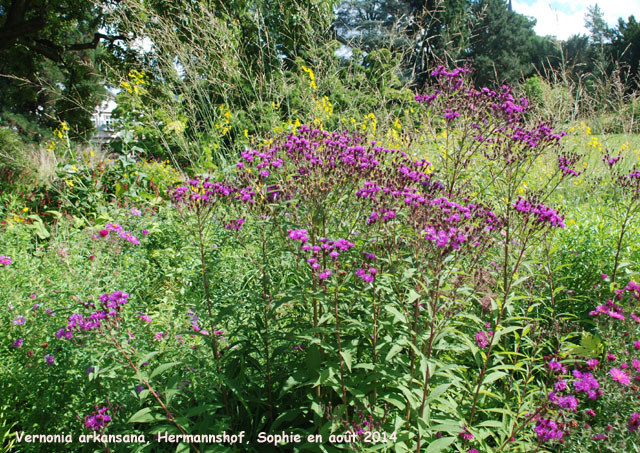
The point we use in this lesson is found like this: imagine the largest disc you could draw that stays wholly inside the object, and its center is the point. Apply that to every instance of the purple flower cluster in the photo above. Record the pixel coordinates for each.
(316, 253)
(5, 260)
(97, 421)
(541, 213)
(49, 359)
(111, 306)
(234, 224)
(482, 340)
(194, 322)
(117, 228)
(199, 193)
(368, 275)
(548, 429)
(567, 162)
(611, 161)
(610, 308)
(586, 383)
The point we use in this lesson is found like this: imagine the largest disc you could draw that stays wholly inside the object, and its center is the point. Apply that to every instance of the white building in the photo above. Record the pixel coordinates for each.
(103, 122)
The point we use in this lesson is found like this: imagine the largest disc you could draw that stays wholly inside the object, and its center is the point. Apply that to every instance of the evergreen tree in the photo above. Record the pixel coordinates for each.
(502, 43)
(49, 53)
(626, 47)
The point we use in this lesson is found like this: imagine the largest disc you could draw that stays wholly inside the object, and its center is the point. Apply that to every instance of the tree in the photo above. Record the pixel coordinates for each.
(626, 47)
(49, 56)
(423, 32)
(502, 43)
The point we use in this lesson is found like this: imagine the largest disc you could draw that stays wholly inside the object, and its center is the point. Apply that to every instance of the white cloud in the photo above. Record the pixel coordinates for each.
(563, 19)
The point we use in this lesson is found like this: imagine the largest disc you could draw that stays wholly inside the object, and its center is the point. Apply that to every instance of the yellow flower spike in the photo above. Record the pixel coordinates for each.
(25, 209)
(69, 182)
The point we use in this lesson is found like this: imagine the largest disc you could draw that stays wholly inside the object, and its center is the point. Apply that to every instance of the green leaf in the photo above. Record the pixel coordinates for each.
(162, 368)
(38, 227)
(440, 444)
(436, 392)
(346, 355)
(144, 415)
(395, 349)
(397, 315)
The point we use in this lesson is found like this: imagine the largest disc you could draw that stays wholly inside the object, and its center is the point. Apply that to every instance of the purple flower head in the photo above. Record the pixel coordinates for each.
(17, 343)
(97, 421)
(135, 212)
(560, 386)
(235, 224)
(633, 422)
(481, 339)
(5, 261)
(299, 235)
(548, 429)
(145, 317)
(568, 402)
(49, 359)
(620, 376)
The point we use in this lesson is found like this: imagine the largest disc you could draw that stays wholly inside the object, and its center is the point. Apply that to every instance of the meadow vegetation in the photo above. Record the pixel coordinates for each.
(326, 251)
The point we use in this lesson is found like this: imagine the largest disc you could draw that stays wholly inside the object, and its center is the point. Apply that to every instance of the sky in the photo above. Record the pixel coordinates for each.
(564, 18)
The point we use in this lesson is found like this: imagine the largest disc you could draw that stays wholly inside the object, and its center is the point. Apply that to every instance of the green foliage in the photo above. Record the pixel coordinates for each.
(501, 43)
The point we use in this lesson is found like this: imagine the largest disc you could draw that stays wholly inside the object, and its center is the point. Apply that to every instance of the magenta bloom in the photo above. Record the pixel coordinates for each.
(325, 275)
(97, 421)
(5, 260)
(135, 211)
(560, 386)
(481, 340)
(555, 366)
(568, 402)
(620, 376)
(49, 359)
(633, 422)
(145, 317)
(19, 320)
(103, 233)
(17, 343)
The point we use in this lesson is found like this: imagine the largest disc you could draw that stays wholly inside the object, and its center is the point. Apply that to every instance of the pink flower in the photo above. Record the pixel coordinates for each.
(611, 357)
(481, 340)
(103, 233)
(620, 376)
(144, 317)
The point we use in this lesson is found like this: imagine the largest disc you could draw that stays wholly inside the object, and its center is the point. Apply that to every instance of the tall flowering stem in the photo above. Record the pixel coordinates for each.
(200, 198)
